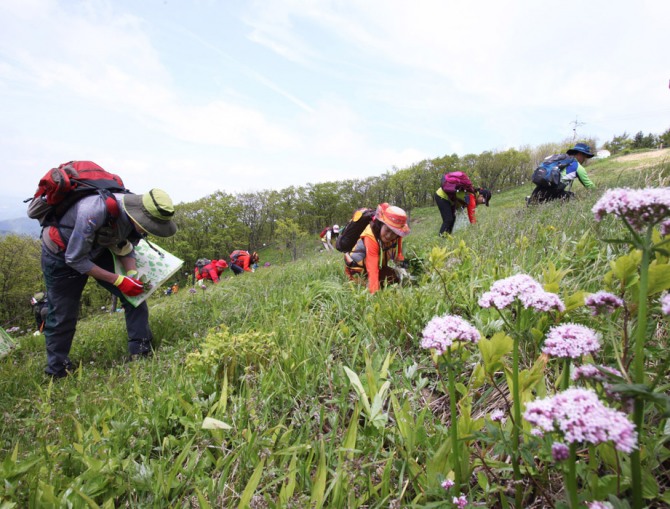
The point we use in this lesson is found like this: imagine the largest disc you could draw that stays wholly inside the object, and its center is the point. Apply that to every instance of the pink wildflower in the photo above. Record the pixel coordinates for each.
(591, 371)
(664, 227)
(460, 501)
(580, 416)
(570, 340)
(497, 415)
(448, 483)
(603, 303)
(665, 304)
(599, 505)
(442, 331)
(524, 288)
(641, 208)
(560, 451)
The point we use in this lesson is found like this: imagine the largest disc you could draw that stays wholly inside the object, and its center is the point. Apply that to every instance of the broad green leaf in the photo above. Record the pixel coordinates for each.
(319, 485)
(493, 350)
(288, 488)
(211, 423)
(358, 387)
(575, 300)
(624, 268)
(659, 279)
(251, 486)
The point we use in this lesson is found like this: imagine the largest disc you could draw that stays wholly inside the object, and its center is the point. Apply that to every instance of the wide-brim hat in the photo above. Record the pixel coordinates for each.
(393, 217)
(583, 148)
(152, 211)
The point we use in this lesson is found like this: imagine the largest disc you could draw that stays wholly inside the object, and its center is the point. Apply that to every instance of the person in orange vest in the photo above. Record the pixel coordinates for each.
(211, 271)
(380, 242)
(241, 261)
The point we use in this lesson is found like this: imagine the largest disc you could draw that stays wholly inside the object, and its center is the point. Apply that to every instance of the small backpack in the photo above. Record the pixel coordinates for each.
(324, 231)
(456, 181)
(352, 231)
(62, 187)
(200, 263)
(548, 173)
(237, 253)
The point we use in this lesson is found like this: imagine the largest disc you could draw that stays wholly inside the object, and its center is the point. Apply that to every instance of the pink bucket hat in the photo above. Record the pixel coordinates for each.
(393, 217)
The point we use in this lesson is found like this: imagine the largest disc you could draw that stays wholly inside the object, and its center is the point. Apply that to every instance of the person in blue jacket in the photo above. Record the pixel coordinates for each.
(574, 171)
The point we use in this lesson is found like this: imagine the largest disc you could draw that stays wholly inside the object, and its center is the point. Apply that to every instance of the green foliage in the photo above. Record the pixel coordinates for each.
(222, 352)
(247, 402)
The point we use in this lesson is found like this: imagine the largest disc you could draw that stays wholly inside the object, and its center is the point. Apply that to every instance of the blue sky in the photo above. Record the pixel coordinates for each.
(198, 96)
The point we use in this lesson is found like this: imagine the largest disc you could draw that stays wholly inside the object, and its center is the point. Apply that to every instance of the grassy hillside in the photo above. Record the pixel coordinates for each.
(264, 357)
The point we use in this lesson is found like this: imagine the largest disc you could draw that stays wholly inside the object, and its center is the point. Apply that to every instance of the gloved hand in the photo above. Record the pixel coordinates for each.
(129, 285)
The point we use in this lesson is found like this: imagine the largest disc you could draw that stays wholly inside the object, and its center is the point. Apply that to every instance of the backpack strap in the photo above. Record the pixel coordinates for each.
(113, 212)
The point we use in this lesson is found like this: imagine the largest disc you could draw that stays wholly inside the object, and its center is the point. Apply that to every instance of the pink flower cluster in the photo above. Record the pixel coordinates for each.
(665, 304)
(599, 505)
(581, 417)
(570, 340)
(560, 451)
(603, 303)
(497, 415)
(523, 287)
(590, 371)
(442, 331)
(460, 501)
(639, 207)
(447, 484)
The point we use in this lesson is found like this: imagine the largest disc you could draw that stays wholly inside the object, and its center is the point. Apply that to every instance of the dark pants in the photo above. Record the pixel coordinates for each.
(64, 288)
(236, 269)
(542, 195)
(448, 213)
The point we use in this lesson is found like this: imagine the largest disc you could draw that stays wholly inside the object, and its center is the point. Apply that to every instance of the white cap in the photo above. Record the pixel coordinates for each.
(336, 229)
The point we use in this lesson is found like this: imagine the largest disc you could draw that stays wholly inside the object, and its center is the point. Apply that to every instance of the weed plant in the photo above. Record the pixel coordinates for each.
(292, 387)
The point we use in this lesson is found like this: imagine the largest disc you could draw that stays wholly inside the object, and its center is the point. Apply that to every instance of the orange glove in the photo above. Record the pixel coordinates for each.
(129, 285)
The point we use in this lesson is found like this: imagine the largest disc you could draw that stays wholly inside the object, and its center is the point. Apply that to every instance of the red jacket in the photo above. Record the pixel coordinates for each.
(241, 258)
(212, 270)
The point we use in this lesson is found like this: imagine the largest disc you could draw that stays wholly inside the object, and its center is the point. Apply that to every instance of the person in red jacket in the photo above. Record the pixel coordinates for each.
(241, 261)
(211, 271)
(481, 197)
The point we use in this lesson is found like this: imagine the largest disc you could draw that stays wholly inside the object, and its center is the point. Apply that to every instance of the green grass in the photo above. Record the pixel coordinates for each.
(120, 434)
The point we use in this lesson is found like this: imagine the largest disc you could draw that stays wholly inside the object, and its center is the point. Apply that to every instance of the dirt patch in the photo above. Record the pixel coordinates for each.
(654, 154)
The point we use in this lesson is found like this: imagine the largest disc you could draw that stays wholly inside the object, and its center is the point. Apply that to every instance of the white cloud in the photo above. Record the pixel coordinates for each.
(201, 95)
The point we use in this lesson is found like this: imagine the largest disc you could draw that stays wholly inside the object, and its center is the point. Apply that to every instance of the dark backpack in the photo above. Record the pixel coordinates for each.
(200, 263)
(352, 231)
(62, 187)
(548, 173)
(457, 181)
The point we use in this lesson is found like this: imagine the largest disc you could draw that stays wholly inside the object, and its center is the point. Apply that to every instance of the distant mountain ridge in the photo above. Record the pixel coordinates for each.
(20, 226)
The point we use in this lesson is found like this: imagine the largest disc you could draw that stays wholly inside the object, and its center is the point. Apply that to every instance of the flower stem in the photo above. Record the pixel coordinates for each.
(571, 477)
(638, 370)
(566, 375)
(454, 422)
(516, 425)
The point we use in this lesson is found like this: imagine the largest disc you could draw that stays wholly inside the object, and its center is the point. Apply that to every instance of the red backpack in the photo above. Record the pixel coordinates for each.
(456, 181)
(62, 187)
(324, 231)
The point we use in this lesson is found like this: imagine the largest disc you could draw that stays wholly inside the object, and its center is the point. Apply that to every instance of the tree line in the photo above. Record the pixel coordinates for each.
(219, 223)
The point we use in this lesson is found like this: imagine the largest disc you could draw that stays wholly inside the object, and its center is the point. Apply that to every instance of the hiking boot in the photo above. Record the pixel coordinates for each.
(67, 369)
(139, 356)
